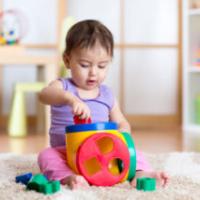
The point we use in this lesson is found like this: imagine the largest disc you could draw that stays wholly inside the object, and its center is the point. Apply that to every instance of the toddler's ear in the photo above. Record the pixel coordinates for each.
(66, 60)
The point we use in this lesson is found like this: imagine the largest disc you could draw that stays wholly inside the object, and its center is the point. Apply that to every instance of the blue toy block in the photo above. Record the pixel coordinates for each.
(24, 178)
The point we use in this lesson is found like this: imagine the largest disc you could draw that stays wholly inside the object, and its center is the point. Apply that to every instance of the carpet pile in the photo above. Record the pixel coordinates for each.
(183, 168)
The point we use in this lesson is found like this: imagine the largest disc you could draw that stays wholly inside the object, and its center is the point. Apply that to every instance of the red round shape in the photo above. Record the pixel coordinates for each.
(89, 150)
(78, 120)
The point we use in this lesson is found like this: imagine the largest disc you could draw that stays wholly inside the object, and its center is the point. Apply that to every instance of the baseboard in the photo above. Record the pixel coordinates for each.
(31, 120)
(153, 121)
(135, 121)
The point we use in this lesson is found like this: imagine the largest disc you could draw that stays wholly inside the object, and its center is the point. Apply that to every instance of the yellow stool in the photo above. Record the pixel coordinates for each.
(17, 125)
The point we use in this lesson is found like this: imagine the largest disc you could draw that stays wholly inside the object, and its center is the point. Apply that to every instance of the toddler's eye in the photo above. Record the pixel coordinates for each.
(84, 65)
(102, 66)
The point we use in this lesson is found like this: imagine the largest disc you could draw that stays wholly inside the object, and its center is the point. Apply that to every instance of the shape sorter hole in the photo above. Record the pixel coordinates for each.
(113, 166)
(105, 145)
(92, 166)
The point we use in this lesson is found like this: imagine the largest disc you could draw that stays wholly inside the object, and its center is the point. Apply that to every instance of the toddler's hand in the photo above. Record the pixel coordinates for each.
(162, 178)
(81, 109)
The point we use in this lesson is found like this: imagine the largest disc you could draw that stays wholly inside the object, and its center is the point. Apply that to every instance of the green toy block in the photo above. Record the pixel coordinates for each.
(56, 186)
(40, 184)
(51, 187)
(146, 184)
(139, 184)
(37, 182)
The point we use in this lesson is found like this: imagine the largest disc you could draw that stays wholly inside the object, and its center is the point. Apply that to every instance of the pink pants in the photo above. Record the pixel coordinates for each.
(52, 163)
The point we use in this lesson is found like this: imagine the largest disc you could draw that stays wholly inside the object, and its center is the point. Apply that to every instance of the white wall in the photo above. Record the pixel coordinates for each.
(151, 75)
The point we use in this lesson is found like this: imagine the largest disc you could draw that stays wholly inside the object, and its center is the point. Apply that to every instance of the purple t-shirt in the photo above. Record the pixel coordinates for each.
(61, 115)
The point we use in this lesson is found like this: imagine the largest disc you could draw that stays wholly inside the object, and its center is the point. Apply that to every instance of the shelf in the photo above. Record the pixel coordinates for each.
(15, 49)
(194, 11)
(194, 69)
(191, 68)
(192, 128)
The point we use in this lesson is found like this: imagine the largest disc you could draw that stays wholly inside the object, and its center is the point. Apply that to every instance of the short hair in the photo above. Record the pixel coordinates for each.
(86, 33)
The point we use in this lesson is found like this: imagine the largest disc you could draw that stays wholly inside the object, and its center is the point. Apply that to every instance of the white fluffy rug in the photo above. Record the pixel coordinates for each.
(184, 169)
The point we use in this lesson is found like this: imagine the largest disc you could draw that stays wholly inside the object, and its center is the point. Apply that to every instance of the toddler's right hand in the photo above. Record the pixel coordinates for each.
(80, 109)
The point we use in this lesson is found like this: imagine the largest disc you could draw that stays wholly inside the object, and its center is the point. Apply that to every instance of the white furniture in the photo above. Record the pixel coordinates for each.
(47, 67)
(191, 72)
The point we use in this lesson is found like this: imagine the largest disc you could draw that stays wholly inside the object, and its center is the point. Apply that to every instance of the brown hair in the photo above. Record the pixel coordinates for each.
(86, 33)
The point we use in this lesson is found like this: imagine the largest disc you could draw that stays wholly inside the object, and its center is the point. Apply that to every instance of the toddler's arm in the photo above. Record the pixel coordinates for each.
(117, 116)
(54, 94)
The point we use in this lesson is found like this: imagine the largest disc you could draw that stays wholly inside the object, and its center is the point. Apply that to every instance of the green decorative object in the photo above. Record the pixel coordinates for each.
(146, 184)
(197, 110)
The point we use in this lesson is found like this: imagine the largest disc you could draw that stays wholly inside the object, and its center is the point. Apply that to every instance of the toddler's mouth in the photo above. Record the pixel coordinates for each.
(91, 82)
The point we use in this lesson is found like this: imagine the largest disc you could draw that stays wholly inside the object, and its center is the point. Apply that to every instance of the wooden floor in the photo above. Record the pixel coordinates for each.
(152, 140)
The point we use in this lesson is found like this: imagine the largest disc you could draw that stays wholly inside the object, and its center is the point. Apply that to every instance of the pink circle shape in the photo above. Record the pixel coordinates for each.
(89, 150)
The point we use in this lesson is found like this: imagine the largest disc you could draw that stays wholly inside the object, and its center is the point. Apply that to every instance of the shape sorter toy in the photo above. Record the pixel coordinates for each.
(100, 153)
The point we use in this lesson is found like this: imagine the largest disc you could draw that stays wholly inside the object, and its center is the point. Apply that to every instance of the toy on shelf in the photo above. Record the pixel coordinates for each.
(197, 58)
(194, 4)
(197, 110)
(13, 27)
(100, 153)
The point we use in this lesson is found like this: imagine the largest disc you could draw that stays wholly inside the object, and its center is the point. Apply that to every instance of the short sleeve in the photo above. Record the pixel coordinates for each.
(64, 83)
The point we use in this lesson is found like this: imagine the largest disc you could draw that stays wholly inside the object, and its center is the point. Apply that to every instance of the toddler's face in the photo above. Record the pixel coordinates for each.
(89, 66)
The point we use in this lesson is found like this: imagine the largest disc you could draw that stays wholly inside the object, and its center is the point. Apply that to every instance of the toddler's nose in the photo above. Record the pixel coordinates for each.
(93, 70)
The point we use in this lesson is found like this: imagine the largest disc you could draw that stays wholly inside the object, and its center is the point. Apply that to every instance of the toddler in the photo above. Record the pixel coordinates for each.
(88, 54)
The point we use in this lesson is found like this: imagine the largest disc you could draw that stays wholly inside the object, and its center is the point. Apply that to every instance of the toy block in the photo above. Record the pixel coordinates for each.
(146, 184)
(78, 120)
(37, 182)
(51, 187)
(24, 178)
(40, 184)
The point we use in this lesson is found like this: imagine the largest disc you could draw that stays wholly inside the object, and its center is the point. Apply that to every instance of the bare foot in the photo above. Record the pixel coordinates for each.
(75, 182)
(161, 177)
